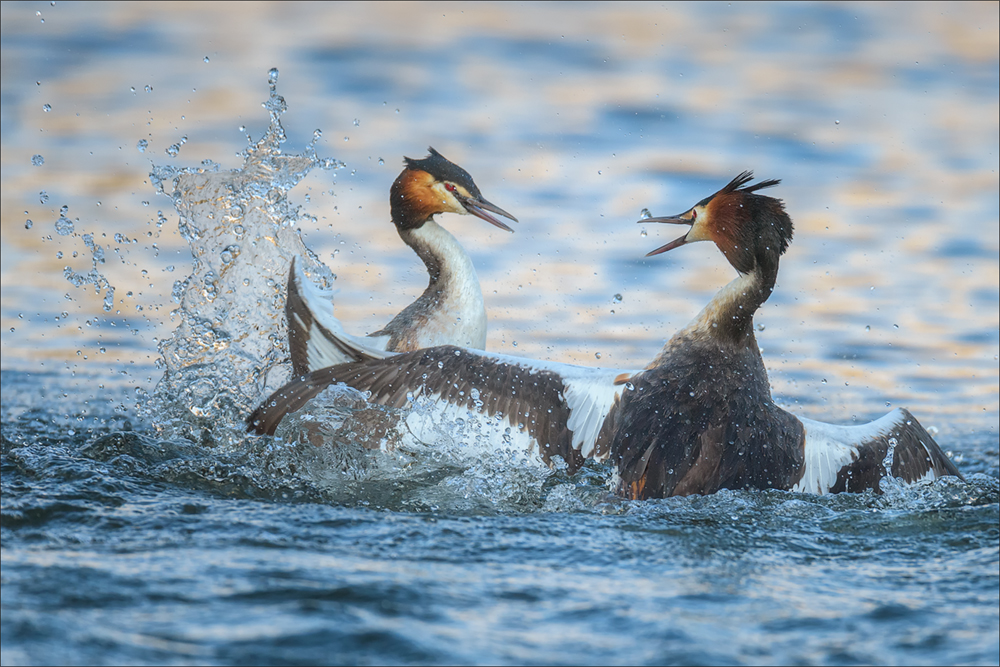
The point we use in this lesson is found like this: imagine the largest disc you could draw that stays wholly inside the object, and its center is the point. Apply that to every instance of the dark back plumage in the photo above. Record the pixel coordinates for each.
(696, 424)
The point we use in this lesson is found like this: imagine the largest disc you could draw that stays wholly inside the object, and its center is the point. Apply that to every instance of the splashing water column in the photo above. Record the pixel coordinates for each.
(230, 346)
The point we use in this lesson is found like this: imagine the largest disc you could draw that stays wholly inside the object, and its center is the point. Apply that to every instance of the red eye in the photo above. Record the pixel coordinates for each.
(694, 215)
(449, 187)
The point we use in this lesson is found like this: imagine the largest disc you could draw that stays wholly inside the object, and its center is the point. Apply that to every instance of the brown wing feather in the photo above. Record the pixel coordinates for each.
(915, 453)
(529, 399)
(289, 398)
(299, 319)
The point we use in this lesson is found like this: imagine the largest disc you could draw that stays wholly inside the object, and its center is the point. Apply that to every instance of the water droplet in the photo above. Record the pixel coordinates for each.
(43, 197)
(836, 122)
(148, 88)
(28, 224)
(357, 123)
(272, 76)
(823, 381)
(868, 327)
(617, 298)
(381, 162)
(597, 355)
(645, 214)
(46, 108)
(64, 226)
(37, 160)
(205, 59)
(643, 233)
(141, 145)
(174, 149)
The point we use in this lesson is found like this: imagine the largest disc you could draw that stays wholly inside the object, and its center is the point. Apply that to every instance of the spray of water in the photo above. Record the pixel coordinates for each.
(229, 351)
(230, 347)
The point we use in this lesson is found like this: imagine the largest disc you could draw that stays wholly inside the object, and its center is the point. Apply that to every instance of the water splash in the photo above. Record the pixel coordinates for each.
(64, 226)
(174, 149)
(94, 276)
(67, 227)
(229, 349)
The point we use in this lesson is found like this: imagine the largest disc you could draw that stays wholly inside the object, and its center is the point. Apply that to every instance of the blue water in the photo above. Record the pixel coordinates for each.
(129, 534)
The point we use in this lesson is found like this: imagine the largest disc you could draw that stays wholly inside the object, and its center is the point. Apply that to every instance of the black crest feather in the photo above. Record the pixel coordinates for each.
(443, 169)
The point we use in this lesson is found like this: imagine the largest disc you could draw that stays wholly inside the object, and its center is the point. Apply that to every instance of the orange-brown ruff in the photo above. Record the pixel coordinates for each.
(698, 419)
(449, 311)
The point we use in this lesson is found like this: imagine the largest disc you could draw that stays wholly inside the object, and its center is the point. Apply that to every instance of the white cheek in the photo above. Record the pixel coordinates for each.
(699, 230)
(448, 201)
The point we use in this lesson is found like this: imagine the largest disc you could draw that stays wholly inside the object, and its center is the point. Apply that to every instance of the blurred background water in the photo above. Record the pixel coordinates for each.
(883, 122)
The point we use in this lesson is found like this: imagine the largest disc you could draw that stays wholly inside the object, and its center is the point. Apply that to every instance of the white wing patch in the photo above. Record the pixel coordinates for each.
(326, 337)
(589, 394)
(437, 423)
(830, 447)
(590, 397)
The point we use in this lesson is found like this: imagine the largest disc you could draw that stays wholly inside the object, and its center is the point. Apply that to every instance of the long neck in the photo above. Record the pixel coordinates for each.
(727, 320)
(451, 310)
(448, 265)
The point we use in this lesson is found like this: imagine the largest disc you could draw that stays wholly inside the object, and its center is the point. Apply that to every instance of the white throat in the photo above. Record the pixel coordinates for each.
(724, 301)
(452, 306)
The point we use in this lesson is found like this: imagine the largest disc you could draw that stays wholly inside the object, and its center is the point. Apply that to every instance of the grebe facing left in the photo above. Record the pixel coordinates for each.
(699, 418)
(449, 312)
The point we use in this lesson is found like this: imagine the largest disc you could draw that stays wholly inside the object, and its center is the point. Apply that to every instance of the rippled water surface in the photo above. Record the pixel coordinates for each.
(139, 525)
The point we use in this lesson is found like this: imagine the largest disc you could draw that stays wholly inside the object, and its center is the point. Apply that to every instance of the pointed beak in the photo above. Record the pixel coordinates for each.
(482, 209)
(674, 220)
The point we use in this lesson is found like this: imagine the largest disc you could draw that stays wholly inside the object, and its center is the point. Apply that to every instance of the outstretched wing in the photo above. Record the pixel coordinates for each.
(563, 408)
(855, 458)
(316, 338)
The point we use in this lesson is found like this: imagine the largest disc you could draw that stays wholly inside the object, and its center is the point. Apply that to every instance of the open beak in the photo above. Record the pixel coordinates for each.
(482, 209)
(675, 220)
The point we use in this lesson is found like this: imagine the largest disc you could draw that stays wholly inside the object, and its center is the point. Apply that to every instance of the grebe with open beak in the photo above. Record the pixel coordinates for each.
(449, 312)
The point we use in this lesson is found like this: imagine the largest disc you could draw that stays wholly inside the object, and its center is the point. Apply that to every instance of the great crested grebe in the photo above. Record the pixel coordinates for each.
(449, 312)
(697, 419)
